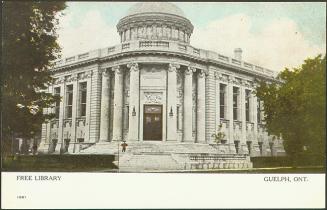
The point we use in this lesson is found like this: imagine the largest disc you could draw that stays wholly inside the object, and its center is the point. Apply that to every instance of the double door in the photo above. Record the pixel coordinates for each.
(152, 123)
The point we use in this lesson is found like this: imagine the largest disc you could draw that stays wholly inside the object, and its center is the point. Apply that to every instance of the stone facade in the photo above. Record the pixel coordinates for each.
(156, 78)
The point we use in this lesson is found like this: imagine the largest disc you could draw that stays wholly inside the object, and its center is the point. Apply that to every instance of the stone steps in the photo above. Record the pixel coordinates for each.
(143, 156)
(143, 162)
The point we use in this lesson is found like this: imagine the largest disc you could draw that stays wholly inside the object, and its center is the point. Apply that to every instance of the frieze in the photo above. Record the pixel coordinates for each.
(153, 97)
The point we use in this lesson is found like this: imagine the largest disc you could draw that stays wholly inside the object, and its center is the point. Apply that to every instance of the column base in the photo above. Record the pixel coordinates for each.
(255, 152)
(244, 149)
(232, 149)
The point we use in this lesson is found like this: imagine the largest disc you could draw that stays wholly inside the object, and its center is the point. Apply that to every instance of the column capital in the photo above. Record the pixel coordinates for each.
(105, 72)
(133, 66)
(202, 73)
(173, 67)
(117, 69)
(190, 70)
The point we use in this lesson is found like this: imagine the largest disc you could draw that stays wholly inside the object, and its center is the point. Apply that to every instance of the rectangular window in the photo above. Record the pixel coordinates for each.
(258, 110)
(69, 101)
(57, 105)
(247, 105)
(236, 95)
(82, 99)
(222, 101)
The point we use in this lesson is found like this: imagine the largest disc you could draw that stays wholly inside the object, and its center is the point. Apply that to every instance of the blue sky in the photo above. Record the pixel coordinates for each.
(281, 28)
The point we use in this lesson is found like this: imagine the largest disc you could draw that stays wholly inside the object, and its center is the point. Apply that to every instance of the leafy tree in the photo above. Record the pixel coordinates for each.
(296, 108)
(219, 136)
(29, 46)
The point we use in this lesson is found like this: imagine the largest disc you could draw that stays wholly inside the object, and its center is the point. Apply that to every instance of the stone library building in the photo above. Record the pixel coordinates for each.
(163, 97)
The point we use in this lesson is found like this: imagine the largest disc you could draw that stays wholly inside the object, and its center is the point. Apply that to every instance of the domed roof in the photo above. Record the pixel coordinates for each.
(155, 7)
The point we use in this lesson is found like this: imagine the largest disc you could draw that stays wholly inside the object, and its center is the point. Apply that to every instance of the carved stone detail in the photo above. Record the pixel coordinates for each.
(190, 70)
(173, 67)
(117, 69)
(153, 97)
(133, 66)
(202, 73)
(59, 80)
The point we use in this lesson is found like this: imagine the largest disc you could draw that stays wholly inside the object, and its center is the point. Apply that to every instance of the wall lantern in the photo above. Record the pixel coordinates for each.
(171, 112)
(133, 112)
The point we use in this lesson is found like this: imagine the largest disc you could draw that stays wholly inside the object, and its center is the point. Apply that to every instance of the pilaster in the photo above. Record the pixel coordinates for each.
(134, 102)
(230, 114)
(118, 101)
(74, 109)
(243, 146)
(188, 113)
(61, 117)
(105, 97)
(172, 102)
(201, 114)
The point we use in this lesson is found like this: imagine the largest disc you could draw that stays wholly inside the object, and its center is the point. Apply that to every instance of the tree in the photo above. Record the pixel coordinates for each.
(29, 47)
(296, 108)
(219, 136)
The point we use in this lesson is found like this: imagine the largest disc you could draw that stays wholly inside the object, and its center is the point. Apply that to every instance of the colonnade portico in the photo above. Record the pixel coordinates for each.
(134, 120)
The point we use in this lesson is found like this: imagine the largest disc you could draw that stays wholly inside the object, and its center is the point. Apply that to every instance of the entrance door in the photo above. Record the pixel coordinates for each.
(152, 123)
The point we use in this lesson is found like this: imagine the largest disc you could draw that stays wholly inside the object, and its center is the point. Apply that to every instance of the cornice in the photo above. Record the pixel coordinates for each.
(181, 55)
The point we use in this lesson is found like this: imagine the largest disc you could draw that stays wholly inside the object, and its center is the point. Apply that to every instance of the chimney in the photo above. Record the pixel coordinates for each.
(238, 54)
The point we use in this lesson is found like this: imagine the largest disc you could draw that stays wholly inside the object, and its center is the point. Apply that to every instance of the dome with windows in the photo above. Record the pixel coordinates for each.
(155, 21)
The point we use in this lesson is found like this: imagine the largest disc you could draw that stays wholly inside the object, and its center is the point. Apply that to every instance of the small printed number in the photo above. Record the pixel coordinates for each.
(21, 196)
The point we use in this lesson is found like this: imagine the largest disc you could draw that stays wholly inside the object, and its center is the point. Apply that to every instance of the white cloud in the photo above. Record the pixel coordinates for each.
(92, 33)
(277, 45)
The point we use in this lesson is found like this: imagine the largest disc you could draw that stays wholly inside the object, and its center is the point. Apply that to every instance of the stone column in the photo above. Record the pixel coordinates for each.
(60, 141)
(171, 102)
(230, 114)
(105, 97)
(255, 145)
(217, 97)
(134, 101)
(201, 105)
(188, 113)
(118, 103)
(243, 146)
(74, 111)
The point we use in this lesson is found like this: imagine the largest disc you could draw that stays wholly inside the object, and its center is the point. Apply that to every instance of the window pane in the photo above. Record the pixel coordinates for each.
(83, 110)
(222, 112)
(70, 98)
(83, 97)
